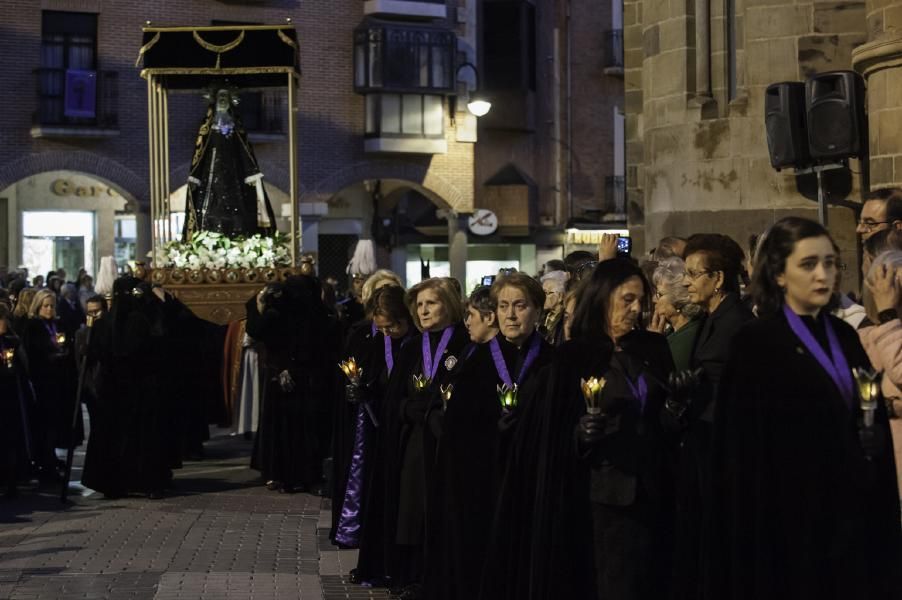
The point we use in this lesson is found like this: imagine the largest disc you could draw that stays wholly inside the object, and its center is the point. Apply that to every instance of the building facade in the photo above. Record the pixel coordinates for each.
(695, 80)
(386, 146)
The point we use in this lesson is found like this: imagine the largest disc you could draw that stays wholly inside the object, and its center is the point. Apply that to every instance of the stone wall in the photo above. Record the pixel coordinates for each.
(697, 153)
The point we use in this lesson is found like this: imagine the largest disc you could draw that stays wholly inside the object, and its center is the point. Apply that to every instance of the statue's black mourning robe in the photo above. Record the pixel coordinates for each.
(603, 522)
(221, 193)
(463, 482)
(799, 512)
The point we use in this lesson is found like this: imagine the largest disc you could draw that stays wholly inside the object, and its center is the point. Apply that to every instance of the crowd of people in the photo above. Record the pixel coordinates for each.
(706, 423)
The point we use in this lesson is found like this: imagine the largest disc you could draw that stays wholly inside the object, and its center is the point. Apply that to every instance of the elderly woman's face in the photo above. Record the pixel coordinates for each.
(554, 296)
(624, 307)
(431, 311)
(701, 283)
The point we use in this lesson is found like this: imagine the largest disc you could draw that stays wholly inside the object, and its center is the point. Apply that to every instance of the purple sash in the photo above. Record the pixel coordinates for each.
(389, 356)
(836, 366)
(639, 390)
(501, 366)
(430, 361)
(51, 329)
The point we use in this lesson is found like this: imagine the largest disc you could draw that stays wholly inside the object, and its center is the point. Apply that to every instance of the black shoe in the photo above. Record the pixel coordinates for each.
(155, 495)
(355, 577)
(414, 591)
(273, 486)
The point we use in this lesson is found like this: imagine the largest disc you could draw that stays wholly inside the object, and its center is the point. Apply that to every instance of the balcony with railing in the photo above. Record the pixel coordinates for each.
(75, 103)
(417, 9)
(613, 52)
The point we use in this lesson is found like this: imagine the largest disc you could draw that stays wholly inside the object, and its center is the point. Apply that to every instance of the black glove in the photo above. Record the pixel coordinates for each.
(681, 384)
(590, 430)
(415, 409)
(356, 394)
(286, 382)
(508, 420)
(873, 440)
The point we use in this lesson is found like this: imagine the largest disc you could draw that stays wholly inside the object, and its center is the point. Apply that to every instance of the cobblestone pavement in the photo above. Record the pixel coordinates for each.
(219, 535)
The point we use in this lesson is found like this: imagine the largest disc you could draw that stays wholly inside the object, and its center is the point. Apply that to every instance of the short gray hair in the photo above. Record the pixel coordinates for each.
(668, 279)
(892, 259)
(559, 278)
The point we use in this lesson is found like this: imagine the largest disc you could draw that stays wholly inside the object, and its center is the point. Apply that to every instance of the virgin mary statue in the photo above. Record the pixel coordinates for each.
(225, 186)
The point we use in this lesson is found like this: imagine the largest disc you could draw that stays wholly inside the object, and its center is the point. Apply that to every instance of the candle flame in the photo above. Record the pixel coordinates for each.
(351, 370)
(592, 389)
(507, 394)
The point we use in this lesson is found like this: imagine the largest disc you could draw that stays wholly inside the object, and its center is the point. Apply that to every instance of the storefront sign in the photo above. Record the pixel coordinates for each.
(591, 237)
(64, 187)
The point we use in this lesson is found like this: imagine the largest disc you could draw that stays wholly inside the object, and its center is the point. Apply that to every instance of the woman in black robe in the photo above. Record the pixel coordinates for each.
(603, 516)
(713, 273)
(805, 496)
(133, 352)
(437, 311)
(363, 501)
(51, 367)
(14, 405)
(470, 446)
(293, 324)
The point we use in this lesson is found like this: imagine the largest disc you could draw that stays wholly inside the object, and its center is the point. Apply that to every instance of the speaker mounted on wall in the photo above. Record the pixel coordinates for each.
(785, 122)
(837, 122)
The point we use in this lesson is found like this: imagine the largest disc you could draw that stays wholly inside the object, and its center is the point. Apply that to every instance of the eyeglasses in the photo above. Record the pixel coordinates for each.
(389, 329)
(693, 275)
(869, 225)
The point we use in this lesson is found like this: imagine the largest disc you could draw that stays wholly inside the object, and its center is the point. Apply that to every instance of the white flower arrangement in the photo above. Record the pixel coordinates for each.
(209, 250)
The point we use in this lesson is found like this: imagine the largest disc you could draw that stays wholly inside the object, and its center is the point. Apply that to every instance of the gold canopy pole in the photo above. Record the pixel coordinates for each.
(296, 234)
(164, 115)
(151, 139)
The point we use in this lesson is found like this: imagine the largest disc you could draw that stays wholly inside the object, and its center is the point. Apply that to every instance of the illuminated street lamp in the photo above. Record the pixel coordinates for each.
(478, 105)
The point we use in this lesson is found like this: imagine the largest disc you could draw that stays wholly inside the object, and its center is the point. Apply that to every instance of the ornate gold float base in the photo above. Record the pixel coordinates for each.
(217, 295)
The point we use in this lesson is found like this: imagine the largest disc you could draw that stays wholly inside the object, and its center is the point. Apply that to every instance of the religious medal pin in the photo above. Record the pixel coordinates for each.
(450, 362)
(446, 391)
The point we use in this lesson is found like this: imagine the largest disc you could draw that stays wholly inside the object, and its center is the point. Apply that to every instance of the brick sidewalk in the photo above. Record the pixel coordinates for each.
(221, 535)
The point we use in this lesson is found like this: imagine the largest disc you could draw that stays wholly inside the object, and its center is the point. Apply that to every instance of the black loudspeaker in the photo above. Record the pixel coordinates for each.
(784, 119)
(837, 123)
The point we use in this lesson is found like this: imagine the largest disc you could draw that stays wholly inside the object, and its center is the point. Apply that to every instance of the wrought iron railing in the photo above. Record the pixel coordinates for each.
(79, 98)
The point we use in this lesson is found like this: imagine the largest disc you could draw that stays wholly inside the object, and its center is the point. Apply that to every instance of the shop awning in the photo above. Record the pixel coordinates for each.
(250, 56)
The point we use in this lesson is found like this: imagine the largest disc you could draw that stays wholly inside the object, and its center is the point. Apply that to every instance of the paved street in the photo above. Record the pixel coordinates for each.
(220, 535)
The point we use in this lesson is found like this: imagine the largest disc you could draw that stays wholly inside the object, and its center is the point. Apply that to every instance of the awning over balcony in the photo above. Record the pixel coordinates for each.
(251, 56)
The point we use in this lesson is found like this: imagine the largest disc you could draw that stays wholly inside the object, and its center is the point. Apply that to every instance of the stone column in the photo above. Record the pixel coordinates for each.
(880, 62)
(144, 242)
